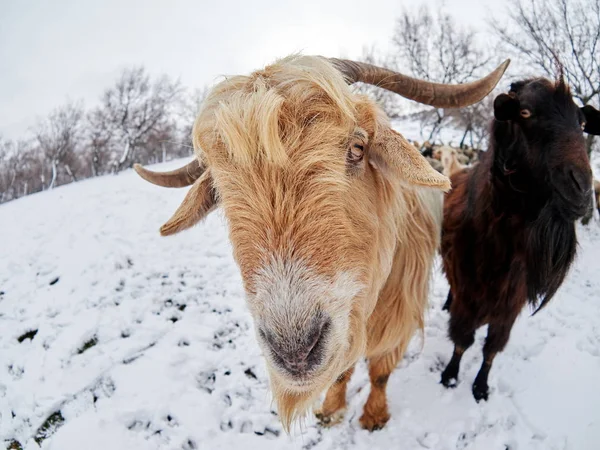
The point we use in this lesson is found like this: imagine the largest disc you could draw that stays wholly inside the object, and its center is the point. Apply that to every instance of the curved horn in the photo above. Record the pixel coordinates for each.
(426, 92)
(184, 176)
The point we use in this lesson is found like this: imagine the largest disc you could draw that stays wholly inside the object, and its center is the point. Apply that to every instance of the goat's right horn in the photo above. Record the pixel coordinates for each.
(184, 176)
(433, 94)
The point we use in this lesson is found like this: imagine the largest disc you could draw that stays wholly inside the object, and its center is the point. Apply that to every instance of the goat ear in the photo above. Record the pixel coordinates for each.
(592, 120)
(391, 151)
(506, 107)
(198, 202)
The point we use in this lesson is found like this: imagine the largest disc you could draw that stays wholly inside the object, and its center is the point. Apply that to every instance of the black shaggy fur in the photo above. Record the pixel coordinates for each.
(508, 234)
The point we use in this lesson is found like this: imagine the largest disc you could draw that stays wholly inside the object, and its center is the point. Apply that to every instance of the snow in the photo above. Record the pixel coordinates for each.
(173, 363)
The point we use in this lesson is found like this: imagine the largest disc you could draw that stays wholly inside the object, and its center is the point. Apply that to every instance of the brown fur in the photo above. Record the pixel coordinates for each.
(509, 223)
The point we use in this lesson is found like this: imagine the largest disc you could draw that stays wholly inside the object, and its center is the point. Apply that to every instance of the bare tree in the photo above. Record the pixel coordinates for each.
(137, 119)
(475, 120)
(189, 108)
(160, 145)
(99, 143)
(435, 48)
(21, 166)
(134, 109)
(58, 138)
(30, 167)
(7, 178)
(547, 32)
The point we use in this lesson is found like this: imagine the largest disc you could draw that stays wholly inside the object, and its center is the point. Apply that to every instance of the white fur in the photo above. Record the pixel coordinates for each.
(288, 294)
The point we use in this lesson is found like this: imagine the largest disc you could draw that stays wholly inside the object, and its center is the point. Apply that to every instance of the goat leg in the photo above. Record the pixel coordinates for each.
(462, 332)
(497, 337)
(375, 413)
(450, 373)
(334, 406)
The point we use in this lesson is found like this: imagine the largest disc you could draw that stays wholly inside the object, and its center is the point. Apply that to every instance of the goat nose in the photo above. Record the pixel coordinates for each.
(582, 182)
(298, 353)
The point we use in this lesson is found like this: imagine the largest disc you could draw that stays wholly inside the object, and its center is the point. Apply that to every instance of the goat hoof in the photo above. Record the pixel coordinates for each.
(480, 392)
(374, 422)
(331, 419)
(449, 380)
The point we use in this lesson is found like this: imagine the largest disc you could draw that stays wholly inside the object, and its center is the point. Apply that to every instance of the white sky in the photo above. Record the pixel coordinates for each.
(53, 51)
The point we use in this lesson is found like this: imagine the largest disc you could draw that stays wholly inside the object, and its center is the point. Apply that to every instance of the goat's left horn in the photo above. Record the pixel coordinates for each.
(182, 177)
(433, 94)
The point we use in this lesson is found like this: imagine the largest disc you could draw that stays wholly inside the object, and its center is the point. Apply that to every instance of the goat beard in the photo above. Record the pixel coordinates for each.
(293, 405)
(553, 244)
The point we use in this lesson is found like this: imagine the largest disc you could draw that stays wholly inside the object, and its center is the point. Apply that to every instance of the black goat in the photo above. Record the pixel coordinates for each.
(509, 223)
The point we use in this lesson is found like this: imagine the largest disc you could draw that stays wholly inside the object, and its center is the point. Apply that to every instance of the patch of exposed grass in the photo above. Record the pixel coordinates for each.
(87, 345)
(250, 374)
(14, 445)
(49, 427)
(29, 335)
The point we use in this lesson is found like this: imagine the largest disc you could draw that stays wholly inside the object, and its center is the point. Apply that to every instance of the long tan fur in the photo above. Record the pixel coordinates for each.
(292, 118)
(312, 232)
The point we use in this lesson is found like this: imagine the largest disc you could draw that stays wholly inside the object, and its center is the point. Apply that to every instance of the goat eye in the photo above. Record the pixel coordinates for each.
(525, 113)
(356, 153)
(356, 149)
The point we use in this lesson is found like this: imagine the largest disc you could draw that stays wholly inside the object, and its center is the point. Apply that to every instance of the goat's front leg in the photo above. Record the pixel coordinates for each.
(375, 413)
(333, 408)
(497, 337)
(462, 333)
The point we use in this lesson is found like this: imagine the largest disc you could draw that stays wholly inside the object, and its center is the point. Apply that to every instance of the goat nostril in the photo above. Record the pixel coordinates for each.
(580, 181)
(316, 334)
(300, 353)
(575, 180)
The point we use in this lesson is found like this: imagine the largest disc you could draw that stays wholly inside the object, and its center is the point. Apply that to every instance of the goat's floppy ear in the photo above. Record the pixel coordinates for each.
(592, 120)
(506, 107)
(198, 202)
(391, 151)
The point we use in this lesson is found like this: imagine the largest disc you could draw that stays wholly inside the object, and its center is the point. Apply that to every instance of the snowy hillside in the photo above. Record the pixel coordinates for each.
(112, 337)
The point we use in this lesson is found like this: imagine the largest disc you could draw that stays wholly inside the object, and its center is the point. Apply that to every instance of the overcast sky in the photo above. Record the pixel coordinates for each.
(53, 51)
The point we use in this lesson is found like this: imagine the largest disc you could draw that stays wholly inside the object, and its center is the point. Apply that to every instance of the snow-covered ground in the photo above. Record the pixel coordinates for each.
(112, 337)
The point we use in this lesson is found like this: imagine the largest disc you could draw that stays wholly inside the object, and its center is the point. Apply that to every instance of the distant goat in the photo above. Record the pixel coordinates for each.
(334, 219)
(450, 163)
(508, 234)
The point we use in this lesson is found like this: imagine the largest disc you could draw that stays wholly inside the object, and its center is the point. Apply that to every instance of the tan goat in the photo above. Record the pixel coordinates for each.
(333, 216)
(450, 163)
